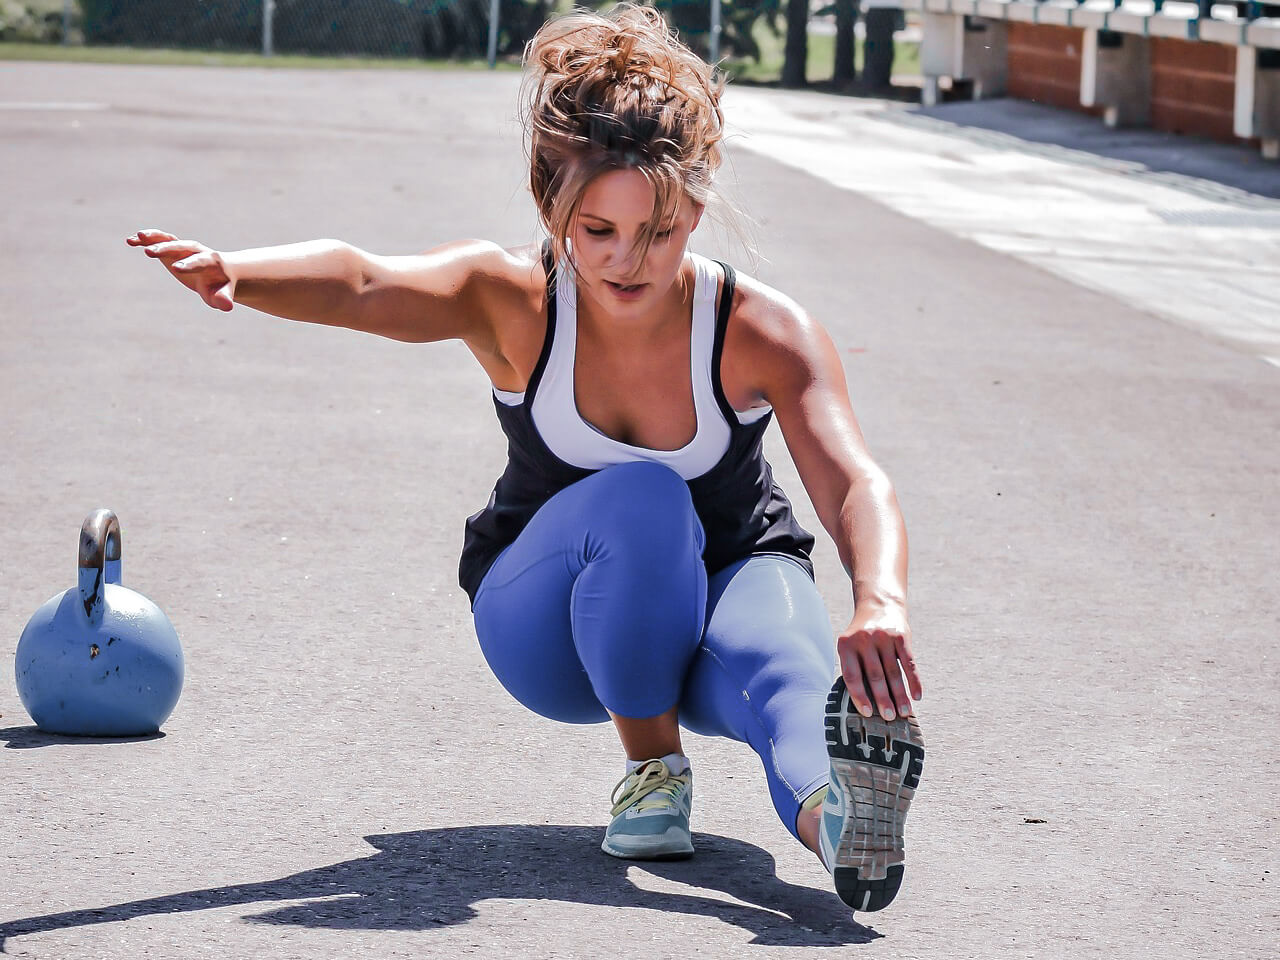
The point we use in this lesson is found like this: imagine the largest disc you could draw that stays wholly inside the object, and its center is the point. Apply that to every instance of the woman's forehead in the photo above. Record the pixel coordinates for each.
(621, 197)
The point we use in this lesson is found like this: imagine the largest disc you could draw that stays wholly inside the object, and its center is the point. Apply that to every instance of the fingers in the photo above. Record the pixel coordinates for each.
(173, 247)
(221, 299)
(908, 661)
(880, 672)
(200, 259)
(170, 250)
(851, 668)
(874, 673)
(143, 237)
(897, 689)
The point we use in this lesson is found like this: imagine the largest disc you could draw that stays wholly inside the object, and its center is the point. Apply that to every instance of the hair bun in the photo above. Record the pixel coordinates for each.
(618, 90)
(620, 54)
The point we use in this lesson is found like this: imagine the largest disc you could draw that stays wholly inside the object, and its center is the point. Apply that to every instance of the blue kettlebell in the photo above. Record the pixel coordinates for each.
(99, 660)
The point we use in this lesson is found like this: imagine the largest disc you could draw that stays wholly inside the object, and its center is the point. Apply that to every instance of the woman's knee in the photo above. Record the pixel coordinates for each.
(643, 502)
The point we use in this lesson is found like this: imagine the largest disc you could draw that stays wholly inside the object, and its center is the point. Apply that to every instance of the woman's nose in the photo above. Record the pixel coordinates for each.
(622, 257)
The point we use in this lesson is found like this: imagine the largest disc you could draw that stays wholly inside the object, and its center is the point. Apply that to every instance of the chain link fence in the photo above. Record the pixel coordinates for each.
(374, 28)
(377, 28)
(747, 41)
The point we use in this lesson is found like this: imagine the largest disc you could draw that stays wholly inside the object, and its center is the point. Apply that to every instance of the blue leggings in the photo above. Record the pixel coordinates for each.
(603, 602)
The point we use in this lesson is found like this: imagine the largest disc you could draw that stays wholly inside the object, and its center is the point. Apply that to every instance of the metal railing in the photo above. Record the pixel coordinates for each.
(1245, 9)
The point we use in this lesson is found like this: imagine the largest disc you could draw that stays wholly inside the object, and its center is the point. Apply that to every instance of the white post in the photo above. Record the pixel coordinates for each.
(493, 33)
(714, 54)
(268, 25)
(66, 21)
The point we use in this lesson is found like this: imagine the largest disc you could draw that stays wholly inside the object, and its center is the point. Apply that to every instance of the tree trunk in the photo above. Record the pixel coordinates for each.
(846, 17)
(797, 46)
(877, 51)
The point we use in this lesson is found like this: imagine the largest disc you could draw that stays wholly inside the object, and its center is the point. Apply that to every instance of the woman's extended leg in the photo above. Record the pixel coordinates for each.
(763, 673)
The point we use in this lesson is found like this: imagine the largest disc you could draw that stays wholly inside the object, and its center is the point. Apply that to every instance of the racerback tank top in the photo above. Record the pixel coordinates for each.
(575, 441)
(549, 445)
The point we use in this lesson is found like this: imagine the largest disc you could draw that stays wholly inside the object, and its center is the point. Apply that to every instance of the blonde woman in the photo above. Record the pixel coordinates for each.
(636, 562)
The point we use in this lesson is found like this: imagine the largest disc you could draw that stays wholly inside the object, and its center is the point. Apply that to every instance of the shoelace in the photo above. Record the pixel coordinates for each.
(648, 786)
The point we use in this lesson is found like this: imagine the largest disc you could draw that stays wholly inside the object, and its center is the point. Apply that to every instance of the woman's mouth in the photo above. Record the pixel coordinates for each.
(626, 291)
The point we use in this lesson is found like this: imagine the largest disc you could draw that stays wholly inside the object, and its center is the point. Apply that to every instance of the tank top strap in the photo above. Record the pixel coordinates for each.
(717, 348)
(535, 378)
(702, 335)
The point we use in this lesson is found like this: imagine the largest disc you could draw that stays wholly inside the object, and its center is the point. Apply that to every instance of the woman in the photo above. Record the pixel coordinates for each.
(636, 562)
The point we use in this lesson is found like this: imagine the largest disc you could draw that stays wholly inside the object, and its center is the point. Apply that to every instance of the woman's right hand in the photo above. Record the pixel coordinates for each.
(195, 265)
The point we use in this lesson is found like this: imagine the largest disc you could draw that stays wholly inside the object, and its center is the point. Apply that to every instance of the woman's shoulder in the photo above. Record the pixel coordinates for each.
(772, 345)
(511, 286)
(494, 269)
(508, 284)
(763, 316)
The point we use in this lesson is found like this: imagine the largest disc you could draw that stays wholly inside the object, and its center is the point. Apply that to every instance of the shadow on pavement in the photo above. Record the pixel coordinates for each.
(26, 738)
(435, 878)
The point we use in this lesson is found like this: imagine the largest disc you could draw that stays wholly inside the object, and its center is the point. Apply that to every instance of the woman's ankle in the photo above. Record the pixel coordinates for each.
(644, 738)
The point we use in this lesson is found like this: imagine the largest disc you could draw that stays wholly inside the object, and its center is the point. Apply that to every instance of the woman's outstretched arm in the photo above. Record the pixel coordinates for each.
(796, 368)
(438, 295)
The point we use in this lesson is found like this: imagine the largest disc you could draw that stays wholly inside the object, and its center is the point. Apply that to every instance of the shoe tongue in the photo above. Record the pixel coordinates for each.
(677, 763)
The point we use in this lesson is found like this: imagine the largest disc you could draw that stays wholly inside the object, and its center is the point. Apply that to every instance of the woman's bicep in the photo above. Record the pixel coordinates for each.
(442, 294)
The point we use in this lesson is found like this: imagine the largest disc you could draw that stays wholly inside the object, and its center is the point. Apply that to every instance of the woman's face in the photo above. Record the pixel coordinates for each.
(615, 207)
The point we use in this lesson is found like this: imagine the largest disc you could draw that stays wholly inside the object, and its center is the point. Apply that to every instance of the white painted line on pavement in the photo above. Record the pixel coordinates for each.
(51, 105)
(1198, 253)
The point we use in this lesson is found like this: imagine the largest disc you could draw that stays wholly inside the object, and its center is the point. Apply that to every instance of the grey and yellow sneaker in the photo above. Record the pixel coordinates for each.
(875, 769)
(651, 807)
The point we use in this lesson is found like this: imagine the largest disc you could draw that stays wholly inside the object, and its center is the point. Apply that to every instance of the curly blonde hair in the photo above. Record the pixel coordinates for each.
(618, 91)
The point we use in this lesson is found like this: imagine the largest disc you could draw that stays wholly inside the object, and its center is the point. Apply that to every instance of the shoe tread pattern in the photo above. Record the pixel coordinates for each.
(878, 764)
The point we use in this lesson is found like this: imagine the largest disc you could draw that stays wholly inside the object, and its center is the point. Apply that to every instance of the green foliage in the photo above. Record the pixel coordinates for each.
(30, 21)
(738, 22)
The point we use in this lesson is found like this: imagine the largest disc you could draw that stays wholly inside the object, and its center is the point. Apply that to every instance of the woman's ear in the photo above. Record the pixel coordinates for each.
(697, 215)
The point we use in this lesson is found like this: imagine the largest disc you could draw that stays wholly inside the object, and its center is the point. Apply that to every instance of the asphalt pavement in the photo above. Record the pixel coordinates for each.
(1090, 486)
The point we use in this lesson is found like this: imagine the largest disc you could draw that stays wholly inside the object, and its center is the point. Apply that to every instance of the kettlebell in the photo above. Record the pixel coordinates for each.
(99, 660)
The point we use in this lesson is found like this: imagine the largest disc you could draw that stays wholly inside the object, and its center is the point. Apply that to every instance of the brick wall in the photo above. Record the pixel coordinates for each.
(1193, 87)
(1044, 63)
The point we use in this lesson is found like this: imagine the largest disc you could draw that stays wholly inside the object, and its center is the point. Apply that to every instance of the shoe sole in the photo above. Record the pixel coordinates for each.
(878, 763)
(683, 854)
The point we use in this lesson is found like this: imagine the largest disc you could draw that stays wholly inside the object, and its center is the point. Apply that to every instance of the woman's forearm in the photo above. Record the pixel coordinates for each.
(873, 543)
(317, 281)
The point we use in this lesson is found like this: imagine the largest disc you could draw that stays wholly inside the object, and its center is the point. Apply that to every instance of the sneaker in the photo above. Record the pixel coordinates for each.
(650, 812)
(875, 769)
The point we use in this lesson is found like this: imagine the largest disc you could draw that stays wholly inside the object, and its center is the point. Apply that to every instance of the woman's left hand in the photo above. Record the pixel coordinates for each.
(874, 652)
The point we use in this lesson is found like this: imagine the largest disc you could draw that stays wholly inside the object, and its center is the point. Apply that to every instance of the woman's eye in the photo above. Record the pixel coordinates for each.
(663, 235)
(598, 231)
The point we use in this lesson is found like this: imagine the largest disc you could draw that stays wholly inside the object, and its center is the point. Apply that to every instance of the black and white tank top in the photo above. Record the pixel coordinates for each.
(575, 441)
(550, 445)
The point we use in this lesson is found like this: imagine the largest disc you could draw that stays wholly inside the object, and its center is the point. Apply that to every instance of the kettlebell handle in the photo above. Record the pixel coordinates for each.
(99, 560)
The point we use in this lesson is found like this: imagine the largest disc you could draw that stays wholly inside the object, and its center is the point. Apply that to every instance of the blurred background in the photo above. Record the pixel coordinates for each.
(761, 41)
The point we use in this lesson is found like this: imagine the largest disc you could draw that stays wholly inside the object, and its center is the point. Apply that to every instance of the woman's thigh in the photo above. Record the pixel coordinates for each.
(600, 601)
(526, 636)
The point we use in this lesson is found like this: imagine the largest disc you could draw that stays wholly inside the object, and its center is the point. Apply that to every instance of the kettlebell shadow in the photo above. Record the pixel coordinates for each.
(429, 879)
(30, 737)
